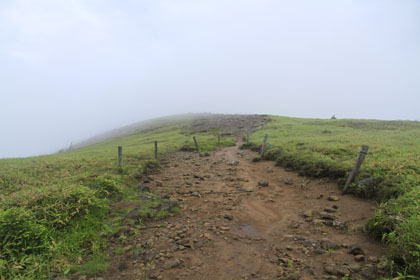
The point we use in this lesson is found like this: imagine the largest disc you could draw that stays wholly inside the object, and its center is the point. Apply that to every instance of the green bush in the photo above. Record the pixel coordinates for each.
(106, 187)
(21, 237)
(58, 207)
(20, 234)
(397, 222)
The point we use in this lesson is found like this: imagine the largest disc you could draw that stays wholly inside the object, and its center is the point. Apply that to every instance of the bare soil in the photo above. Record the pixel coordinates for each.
(249, 220)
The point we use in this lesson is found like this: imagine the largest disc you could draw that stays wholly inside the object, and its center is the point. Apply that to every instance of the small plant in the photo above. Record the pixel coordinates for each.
(345, 277)
(106, 187)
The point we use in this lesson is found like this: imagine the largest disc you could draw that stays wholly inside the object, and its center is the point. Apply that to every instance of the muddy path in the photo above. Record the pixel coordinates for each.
(247, 220)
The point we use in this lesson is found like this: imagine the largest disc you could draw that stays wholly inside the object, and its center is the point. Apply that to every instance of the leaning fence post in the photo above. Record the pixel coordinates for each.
(218, 140)
(156, 149)
(120, 155)
(356, 167)
(263, 145)
(196, 145)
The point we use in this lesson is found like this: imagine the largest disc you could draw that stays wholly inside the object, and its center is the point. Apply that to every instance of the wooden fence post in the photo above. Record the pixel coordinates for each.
(356, 167)
(263, 145)
(120, 155)
(196, 145)
(247, 138)
(156, 149)
(218, 140)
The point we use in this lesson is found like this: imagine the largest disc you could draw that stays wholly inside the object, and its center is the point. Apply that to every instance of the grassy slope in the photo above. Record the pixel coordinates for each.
(53, 208)
(328, 148)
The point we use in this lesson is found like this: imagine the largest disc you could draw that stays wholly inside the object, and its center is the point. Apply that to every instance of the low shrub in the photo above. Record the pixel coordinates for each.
(21, 237)
(106, 187)
(250, 146)
(397, 222)
(56, 206)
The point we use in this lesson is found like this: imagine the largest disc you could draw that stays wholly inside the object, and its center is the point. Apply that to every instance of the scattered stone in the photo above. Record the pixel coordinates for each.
(288, 181)
(356, 250)
(354, 267)
(284, 260)
(330, 210)
(273, 259)
(318, 222)
(133, 215)
(143, 188)
(171, 204)
(329, 268)
(195, 194)
(269, 169)
(172, 264)
(326, 216)
(308, 214)
(333, 198)
(359, 258)
(235, 163)
(369, 272)
(336, 270)
(373, 259)
(263, 183)
(309, 244)
(122, 266)
(328, 245)
(228, 217)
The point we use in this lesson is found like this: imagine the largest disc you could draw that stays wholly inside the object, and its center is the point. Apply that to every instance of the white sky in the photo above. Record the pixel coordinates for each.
(72, 69)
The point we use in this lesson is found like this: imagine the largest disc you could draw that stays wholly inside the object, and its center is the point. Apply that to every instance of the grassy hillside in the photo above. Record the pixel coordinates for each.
(56, 211)
(390, 172)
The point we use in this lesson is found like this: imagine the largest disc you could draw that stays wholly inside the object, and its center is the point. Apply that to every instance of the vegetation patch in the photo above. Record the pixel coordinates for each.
(57, 212)
(390, 172)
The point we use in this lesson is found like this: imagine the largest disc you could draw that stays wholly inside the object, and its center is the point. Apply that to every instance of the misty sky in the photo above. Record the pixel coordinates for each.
(71, 69)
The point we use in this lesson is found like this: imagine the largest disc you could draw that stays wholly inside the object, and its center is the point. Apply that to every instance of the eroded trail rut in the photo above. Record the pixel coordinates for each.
(246, 220)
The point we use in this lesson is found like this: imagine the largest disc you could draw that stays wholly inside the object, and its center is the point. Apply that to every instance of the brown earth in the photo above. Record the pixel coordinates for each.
(246, 220)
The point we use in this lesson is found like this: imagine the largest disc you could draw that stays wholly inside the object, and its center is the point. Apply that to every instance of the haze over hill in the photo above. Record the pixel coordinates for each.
(71, 70)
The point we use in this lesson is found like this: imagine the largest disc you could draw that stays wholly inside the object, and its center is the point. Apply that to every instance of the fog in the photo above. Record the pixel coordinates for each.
(72, 69)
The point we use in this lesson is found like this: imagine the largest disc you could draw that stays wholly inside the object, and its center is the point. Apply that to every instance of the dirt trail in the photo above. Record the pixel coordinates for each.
(246, 220)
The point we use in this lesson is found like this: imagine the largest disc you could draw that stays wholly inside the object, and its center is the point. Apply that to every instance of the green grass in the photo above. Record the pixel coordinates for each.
(329, 148)
(56, 210)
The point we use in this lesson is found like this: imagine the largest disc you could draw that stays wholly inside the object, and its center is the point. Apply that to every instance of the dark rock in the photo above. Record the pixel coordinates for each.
(172, 264)
(356, 250)
(133, 214)
(122, 266)
(328, 245)
(369, 272)
(143, 188)
(309, 244)
(326, 216)
(263, 183)
(228, 217)
(330, 210)
(336, 270)
(354, 267)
